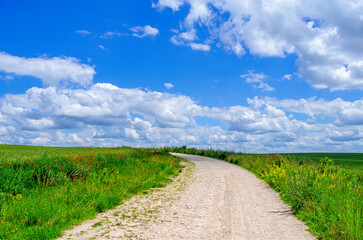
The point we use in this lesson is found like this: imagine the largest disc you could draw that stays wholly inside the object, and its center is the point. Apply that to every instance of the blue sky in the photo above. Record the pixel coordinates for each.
(254, 76)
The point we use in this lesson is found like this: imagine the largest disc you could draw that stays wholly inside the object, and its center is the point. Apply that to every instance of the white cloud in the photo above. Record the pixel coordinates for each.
(103, 48)
(189, 36)
(52, 71)
(168, 85)
(343, 112)
(144, 31)
(257, 80)
(109, 34)
(7, 77)
(287, 77)
(82, 32)
(200, 47)
(326, 36)
(106, 115)
(173, 4)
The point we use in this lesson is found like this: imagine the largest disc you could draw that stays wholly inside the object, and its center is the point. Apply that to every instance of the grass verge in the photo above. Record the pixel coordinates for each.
(327, 197)
(46, 190)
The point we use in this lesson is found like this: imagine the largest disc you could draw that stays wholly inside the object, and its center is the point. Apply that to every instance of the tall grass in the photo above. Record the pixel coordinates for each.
(46, 190)
(327, 197)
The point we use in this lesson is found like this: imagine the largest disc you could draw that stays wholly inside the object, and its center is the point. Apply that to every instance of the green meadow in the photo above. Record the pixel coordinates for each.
(323, 189)
(345, 160)
(44, 190)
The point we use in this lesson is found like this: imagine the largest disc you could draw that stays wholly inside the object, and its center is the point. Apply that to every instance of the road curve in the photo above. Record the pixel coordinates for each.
(218, 201)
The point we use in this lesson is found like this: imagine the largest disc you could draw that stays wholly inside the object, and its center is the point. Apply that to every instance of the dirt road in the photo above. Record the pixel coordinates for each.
(210, 200)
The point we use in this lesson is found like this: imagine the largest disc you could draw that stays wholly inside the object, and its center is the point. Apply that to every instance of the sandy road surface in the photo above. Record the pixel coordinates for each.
(210, 200)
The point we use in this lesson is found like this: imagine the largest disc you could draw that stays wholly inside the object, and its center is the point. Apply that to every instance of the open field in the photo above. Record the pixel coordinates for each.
(44, 190)
(327, 197)
(345, 160)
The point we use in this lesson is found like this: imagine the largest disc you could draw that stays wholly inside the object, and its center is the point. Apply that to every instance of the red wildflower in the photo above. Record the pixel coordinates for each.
(71, 156)
(4, 164)
(93, 159)
(47, 166)
(75, 179)
(34, 164)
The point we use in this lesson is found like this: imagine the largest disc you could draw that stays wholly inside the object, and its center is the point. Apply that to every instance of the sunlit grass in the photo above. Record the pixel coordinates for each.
(46, 190)
(328, 197)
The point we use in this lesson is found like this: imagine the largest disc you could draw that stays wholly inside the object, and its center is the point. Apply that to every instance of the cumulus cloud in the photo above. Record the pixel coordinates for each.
(343, 112)
(287, 77)
(326, 36)
(102, 104)
(52, 71)
(144, 31)
(200, 47)
(106, 115)
(168, 85)
(188, 39)
(257, 80)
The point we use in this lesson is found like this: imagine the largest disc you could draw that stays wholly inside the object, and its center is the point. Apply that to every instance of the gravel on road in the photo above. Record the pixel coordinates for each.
(210, 199)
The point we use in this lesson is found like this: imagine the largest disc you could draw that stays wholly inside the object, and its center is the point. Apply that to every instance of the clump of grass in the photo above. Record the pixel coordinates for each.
(327, 197)
(46, 190)
(97, 224)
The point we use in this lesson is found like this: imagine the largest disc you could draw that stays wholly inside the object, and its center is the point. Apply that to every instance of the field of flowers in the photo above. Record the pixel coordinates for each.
(44, 190)
(327, 197)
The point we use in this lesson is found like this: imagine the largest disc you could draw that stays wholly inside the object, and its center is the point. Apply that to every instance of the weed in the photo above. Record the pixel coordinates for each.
(44, 190)
(328, 197)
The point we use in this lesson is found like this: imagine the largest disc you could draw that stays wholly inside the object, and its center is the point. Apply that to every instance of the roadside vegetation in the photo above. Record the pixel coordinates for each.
(327, 196)
(44, 190)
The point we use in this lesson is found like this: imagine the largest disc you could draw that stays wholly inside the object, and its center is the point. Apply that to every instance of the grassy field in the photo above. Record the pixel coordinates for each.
(44, 190)
(328, 197)
(345, 160)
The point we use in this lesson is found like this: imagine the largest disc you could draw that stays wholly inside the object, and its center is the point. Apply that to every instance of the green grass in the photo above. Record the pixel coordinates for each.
(328, 197)
(44, 190)
(345, 160)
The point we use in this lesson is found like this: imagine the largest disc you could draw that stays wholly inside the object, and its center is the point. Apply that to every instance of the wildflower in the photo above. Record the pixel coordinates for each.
(47, 166)
(71, 156)
(5, 164)
(75, 179)
(34, 164)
